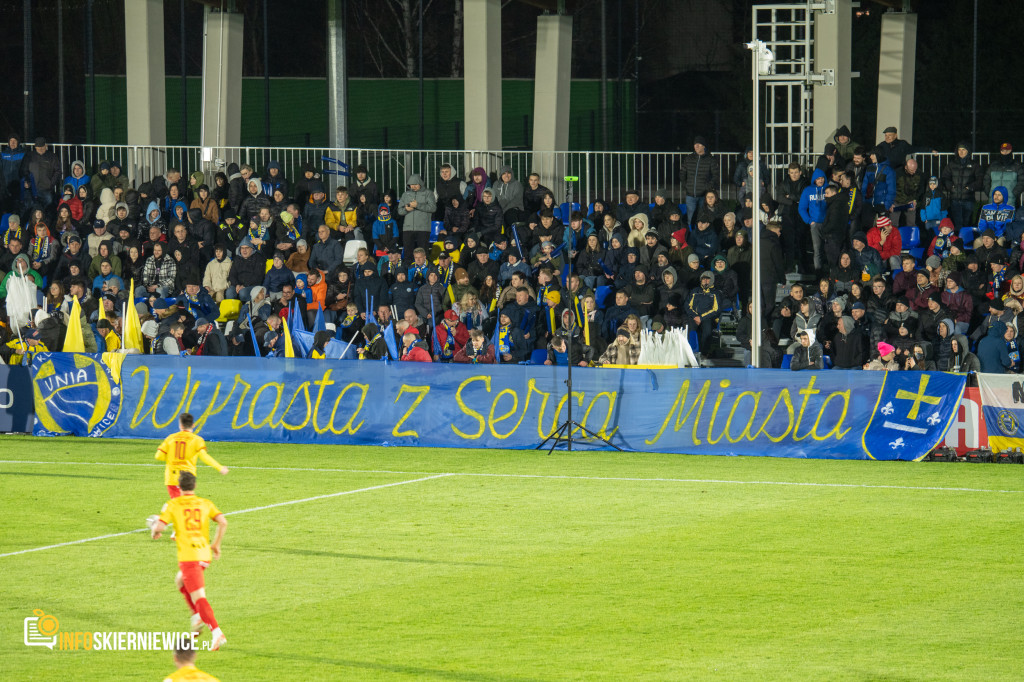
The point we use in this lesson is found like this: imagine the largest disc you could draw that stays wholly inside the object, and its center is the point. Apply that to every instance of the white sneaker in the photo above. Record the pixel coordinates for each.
(218, 640)
(197, 623)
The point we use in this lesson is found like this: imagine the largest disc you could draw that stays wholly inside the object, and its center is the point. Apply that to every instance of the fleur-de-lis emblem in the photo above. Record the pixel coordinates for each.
(888, 409)
(934, 419)
(898, 443)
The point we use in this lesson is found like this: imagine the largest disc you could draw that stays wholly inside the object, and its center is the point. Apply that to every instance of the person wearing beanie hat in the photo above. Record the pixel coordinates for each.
(1005, 171)
(884, 238)
(417, 204)
(622, 351)
(662, 209)
(362, 184)
(886, 359)
(698, 175)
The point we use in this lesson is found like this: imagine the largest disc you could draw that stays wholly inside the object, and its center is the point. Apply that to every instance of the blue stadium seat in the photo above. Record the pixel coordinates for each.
(682, 209)
(827, 361)
(601, 296)
(557, 210)
(918, 252)
(565, 210)
(650, 206)
(538, 356)
(910, 236)
(787, 360)
(693, 340)
(435, 228)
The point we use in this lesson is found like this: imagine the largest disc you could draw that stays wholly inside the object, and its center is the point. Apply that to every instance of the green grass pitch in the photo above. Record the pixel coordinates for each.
(520, 566)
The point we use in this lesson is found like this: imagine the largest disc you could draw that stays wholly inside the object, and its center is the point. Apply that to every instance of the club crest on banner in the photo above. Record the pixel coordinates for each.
(910, 412)
(63, 384)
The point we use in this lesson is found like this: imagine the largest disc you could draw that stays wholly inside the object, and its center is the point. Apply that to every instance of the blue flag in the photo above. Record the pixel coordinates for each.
(318, 323)
(433, 327)
(252, 333)
(295, 317)
(390, 342)
(494, 342)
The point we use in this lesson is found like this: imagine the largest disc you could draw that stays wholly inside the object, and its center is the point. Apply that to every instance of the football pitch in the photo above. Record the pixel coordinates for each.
(486, 565)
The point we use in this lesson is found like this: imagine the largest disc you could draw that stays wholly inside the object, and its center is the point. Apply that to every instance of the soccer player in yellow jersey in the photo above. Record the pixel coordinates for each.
(185, 660)
(181, 450)
(191, 516)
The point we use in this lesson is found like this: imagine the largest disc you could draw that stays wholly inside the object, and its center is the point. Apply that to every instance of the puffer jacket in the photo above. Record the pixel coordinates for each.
(961, 178)
(216, 275)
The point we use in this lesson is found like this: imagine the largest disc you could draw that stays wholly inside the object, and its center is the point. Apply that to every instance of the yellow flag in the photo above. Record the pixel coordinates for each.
(289, 350)
(73, 341)
(101, 313)
(132, 332)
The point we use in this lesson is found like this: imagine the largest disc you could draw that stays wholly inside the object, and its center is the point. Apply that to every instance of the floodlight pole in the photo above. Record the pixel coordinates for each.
(755, 238)
(761, 64)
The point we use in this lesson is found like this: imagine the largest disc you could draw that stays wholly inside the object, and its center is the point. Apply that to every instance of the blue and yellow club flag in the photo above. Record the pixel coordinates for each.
(295, 312)
(289, 349)
(132, 326)
(73, 341)
(495, 340)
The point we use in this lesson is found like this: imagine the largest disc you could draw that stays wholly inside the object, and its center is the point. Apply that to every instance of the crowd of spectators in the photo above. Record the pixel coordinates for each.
(477, 269)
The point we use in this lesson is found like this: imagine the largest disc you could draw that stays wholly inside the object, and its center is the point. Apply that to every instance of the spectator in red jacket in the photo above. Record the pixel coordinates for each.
(886, 240)
(412, 351)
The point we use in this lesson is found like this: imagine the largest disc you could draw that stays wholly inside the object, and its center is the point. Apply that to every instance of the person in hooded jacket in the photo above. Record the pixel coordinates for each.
(726, 281)
(704, 309)
(254, 200)
(960, 359)
(512, 345)
(417, 205)
(206, 204)
(996, 215)
(993, 357)
(849, 348)
(880, 182)
(274, 179)
(809, 354)
(812, 209)
(509, 194)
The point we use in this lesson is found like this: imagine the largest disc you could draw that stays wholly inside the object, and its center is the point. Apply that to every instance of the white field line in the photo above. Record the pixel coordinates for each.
(635, 479)
(231, 513)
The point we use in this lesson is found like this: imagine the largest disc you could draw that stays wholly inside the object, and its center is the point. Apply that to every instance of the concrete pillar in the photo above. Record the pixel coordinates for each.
(551, 96)
(482, 82)
(144, 70)
(337, 76)
(222, 79)
(896, 62)
(833, 42)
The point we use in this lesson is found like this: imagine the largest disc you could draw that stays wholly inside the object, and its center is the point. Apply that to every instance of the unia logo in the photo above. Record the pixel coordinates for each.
(75, 394)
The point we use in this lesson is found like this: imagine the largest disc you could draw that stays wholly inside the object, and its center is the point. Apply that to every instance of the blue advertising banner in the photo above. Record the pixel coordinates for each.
(831, 414)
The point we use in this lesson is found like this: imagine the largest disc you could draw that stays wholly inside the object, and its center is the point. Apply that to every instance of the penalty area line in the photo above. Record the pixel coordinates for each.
(232, 513)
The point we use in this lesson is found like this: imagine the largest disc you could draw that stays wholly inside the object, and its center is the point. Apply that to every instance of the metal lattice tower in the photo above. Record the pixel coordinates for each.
(788, 31)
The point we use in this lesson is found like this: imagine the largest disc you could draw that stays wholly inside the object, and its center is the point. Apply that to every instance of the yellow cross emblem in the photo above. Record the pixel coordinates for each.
(918, 397)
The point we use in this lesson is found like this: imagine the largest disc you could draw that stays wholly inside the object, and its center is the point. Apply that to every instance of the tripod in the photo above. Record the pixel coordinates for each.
(569, 323)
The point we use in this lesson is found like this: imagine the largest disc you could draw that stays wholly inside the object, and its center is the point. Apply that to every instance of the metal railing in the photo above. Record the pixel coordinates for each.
(602, 175)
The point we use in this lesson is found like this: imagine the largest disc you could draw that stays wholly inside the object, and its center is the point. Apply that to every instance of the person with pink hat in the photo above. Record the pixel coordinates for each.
(886, 359)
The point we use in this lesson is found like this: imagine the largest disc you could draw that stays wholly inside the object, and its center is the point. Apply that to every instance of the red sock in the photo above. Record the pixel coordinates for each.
(188, 599)
(206, 613)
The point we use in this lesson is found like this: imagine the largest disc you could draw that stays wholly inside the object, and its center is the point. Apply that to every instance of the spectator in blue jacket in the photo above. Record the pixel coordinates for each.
(812, 209)
(705, 242)
(992, 353)
(277, 276)
(996, 215)
(881, 178)
(10, 171)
